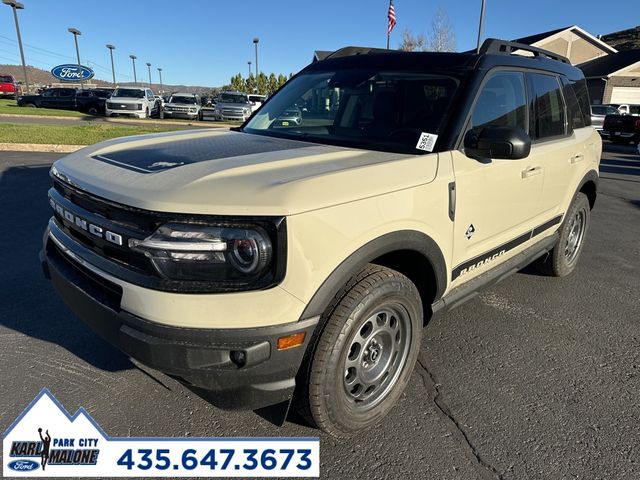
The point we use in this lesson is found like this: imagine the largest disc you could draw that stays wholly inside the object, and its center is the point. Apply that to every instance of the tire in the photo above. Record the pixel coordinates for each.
(92, 110)
(562, 260)
(361, 362)
(30, 105)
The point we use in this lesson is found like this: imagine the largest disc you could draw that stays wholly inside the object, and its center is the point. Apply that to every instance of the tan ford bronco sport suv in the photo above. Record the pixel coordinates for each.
(302, 260)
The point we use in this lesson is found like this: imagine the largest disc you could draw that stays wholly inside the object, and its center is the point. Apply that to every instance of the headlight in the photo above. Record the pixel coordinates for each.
(193, 110)
(247, 111)
(191, 252)
(139, 106)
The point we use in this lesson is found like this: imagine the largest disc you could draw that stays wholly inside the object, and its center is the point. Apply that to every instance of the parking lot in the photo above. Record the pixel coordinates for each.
(535, 378)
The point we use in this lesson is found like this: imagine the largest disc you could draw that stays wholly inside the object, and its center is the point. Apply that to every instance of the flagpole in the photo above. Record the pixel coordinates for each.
(480, 27)
(388, 36)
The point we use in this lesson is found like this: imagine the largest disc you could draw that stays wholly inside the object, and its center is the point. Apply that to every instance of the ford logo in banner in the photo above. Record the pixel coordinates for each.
(23, 465)
(72, 73)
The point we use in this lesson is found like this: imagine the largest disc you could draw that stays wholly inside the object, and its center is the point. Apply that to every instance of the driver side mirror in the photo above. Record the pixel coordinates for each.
(511, 143)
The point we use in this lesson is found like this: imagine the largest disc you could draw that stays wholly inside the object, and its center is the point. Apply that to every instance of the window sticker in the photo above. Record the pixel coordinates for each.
(427, 141)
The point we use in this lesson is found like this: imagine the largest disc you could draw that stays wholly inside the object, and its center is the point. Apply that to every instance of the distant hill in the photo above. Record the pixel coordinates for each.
(41, 78)
(624, 40)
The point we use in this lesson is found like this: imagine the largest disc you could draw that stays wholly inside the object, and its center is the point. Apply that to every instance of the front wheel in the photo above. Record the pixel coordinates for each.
(562, 260)
(364, 357)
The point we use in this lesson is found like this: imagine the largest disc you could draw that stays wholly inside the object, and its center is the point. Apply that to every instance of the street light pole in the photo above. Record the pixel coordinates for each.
(255, 42)
(480, 27)
(160, 74)
(18, 6)
(249, 62)
(133, 59)
(75, 32)
(149, 67)
(113, 70)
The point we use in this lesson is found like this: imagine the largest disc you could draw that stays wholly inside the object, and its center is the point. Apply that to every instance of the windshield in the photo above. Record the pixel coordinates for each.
(233, 98)
(128, 93)
(379, 110)
(183, 100)
(6, 79)
(604, 110)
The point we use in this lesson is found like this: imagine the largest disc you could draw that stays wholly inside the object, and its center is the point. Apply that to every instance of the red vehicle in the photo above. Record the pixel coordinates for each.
(8, 86)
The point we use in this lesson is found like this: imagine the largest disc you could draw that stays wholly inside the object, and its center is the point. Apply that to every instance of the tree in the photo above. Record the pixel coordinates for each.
(442, 38)
(411, 43)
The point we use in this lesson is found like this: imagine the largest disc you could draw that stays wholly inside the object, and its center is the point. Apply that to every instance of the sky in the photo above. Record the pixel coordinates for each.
(205, 42)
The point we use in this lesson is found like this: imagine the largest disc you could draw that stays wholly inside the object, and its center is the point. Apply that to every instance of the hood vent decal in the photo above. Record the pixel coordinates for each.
(167, 155)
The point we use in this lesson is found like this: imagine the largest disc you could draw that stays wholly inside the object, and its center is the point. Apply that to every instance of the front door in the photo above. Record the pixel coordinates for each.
(498, 202)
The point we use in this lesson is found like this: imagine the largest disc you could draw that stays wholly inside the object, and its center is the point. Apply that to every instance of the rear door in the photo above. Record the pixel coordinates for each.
(559, 138)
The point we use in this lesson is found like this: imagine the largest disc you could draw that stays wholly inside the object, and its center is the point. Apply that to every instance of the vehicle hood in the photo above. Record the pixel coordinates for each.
(125, 99)
(233, 105)
(231, 173)
(188, 105)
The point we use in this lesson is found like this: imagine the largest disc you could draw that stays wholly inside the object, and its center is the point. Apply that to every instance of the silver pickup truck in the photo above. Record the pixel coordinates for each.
(233, 106)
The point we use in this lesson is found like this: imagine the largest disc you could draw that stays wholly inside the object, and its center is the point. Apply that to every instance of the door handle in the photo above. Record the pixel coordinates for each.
(577, 158)
(531, 172)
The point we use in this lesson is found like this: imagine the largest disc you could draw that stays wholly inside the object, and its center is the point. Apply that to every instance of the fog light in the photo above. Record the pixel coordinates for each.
(238, 357)
(291, 341)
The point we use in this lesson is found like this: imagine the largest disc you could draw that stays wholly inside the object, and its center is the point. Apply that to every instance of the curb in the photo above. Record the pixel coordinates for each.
(39, 147)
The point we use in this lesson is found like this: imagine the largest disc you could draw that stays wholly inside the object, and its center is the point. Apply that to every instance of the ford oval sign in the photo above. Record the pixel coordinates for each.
(72, 73)
(23, 465)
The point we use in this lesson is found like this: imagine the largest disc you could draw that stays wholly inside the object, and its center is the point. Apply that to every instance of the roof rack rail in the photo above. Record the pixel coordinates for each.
(349, 51)
(504, 47)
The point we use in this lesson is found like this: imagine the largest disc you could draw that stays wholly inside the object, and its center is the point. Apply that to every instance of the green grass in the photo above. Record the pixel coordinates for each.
(10, 107)
(71, 134)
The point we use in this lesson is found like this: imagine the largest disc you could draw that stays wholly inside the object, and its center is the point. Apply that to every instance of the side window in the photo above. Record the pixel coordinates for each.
(574, 114)
(502, 103)
(548, 119)
(65, 92)
(582, 94)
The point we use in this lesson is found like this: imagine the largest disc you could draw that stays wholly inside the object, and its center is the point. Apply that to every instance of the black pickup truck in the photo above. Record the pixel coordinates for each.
(622, 128)
(89, 101)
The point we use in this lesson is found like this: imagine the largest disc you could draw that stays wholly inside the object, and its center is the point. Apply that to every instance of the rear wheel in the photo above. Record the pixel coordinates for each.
(562, 260)
(30, 105)
(365, 355)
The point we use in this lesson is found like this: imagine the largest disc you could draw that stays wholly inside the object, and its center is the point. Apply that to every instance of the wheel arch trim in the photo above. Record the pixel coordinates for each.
(411, 240)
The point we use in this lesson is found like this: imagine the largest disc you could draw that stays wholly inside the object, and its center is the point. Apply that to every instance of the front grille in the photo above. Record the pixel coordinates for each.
(178, 109)
(236, 112)
(104, 215)
(124, 106)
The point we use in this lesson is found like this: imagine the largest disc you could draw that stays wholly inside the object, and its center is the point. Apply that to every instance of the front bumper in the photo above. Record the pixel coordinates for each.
(187, 115)
(200, 358)
(125, 113)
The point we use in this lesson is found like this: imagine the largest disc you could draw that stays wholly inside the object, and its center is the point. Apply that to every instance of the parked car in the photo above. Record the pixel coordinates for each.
(598, 112)
(234, 106)
(8, 86)
(622, 128)
(629, 109)
(183, 105)
(292, 116)
(132, 101)
(256, 101)
(65, 98)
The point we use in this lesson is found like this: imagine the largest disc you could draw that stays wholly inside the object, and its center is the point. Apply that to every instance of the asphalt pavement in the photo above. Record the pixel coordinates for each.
(537, 378)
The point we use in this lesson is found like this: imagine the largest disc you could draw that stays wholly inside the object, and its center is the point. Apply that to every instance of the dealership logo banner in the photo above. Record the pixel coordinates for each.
(46, 441)
(72, 73)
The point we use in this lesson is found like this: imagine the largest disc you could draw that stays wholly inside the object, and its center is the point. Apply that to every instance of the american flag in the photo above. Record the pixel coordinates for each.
(391, 16)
